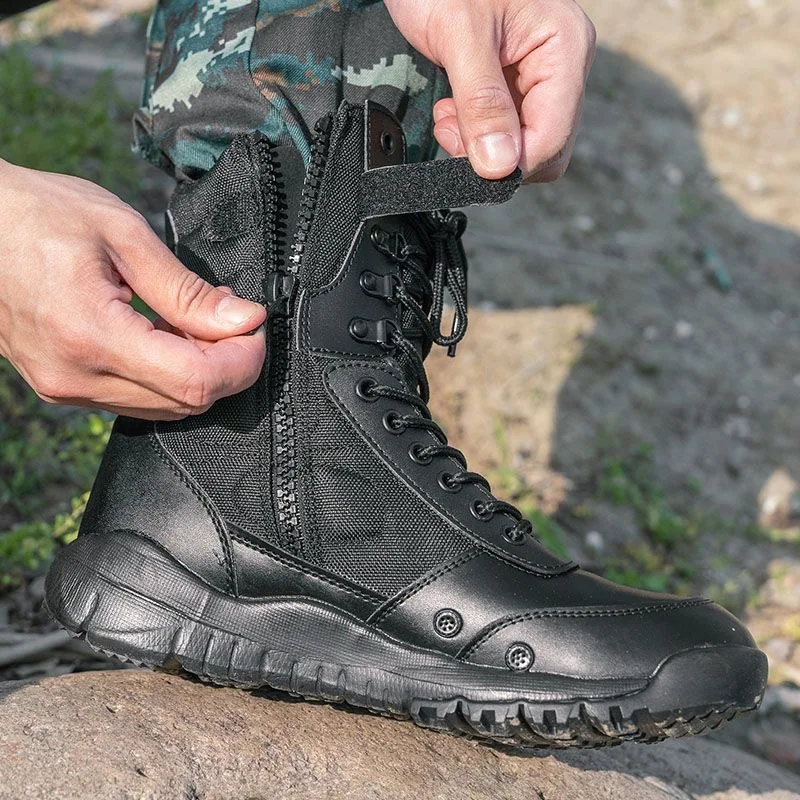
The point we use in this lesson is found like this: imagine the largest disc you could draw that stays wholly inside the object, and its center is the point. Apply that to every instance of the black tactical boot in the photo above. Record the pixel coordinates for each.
(316, 533)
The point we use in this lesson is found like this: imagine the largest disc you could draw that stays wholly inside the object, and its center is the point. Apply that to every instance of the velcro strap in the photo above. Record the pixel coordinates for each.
(431, 185)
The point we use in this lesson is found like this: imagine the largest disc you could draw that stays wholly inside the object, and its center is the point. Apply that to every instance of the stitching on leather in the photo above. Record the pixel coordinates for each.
(308, 571)
(585, 613)
(367, 139)
(377, 113)
(306, 307)
(475, 538)
(212, 512)
(391, 606)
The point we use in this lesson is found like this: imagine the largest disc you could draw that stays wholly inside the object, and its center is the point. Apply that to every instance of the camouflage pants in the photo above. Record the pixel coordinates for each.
(216, 68)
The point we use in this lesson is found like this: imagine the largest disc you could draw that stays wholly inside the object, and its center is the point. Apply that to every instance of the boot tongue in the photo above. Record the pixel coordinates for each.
(413, 331)
(432, 264)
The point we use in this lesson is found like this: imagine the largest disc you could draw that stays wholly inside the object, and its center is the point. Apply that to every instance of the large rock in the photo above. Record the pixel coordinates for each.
(137, 734)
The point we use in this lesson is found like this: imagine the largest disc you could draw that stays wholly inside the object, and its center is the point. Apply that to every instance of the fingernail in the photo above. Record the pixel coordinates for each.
(233, 311)
(496, 151)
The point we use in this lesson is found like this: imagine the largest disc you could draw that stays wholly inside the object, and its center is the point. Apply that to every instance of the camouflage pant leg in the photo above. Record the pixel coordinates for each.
(216, 68)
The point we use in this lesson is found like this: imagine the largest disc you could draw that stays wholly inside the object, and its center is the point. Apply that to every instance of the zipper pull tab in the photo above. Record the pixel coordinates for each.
(279, 288)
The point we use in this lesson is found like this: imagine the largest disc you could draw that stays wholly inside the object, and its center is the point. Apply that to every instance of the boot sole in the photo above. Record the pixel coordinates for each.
(127, 597)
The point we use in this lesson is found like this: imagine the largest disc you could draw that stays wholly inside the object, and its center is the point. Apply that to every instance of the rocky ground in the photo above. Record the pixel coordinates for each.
(632, 373)
(142, 736)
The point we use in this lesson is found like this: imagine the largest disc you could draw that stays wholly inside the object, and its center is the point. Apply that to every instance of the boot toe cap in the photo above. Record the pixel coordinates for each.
(608, 642)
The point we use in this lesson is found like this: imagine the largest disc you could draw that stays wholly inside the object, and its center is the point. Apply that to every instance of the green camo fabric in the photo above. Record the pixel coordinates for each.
(216, 68)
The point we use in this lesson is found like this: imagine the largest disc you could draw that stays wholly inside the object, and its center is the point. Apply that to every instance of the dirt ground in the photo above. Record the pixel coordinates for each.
(657, 287)
(647, 303)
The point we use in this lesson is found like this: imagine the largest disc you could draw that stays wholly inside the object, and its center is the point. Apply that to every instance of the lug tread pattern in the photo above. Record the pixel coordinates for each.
(225, 660)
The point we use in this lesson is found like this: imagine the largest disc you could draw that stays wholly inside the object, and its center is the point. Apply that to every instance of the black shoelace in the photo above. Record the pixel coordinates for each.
(416, 289)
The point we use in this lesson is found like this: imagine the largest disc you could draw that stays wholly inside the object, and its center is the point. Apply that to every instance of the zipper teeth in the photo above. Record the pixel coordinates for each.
(311, 186)
(284, 460)
(269, 195)
(282, 419)
(284, 476)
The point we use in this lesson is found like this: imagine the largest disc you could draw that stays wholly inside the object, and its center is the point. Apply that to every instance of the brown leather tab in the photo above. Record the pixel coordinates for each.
(384, 140)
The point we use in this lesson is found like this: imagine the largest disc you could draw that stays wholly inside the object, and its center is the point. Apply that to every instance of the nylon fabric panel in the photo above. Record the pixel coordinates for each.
(220, 227)
(365, 524)
(226, 451)
(338, 208)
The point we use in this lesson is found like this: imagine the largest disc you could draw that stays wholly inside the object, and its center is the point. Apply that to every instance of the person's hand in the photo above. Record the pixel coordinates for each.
(517, 68)
(72, 257)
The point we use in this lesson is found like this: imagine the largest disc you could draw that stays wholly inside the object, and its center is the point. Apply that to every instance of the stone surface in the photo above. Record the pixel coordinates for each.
(137, 734)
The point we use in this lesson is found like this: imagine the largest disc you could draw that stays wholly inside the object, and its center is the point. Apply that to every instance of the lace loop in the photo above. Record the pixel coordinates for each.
(419, 288)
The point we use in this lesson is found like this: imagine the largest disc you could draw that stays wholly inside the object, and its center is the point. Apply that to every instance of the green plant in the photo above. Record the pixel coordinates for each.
(46, 457)
(627, 480)
(512, 485)
(43, 128)
(28, 546)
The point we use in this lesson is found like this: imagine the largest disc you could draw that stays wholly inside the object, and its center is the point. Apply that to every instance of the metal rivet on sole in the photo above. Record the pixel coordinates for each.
(519, 657)
(447, 623)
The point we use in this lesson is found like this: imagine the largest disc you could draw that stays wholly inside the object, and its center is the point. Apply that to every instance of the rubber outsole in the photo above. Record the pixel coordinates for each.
(128, 598)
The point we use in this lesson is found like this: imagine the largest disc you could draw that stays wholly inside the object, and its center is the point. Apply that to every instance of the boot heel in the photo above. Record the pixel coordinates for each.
(87, 595)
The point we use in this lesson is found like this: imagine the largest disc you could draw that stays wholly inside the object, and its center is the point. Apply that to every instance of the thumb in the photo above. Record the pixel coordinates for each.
(182, 298)
(488, 120)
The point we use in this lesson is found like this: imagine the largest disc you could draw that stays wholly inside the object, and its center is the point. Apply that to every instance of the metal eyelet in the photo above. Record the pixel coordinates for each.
(368, 281)
(447, 623)
(392, 423)
(359, 329)
(446, 482)
(478, 509)
(414, 453)
(513, 536)
(387, 142)
(364, 389)
(383, 287)
(519, 657)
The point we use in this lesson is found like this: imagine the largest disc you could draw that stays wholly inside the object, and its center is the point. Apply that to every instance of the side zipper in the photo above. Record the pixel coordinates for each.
(279, 292)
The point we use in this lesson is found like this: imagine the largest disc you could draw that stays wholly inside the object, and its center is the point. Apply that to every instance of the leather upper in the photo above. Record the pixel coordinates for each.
(386, 536)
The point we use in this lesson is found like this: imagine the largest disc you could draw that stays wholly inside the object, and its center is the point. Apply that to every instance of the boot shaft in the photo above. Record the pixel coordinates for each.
(352, 263)
(318, 534)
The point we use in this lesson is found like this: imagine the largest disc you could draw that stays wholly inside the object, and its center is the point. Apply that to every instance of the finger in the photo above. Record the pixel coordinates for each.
(191, 374)
(195, 374)
(449, 136)
(445, 107)
(178, 295)
(551, 114)
(549, 91)
(487, 119)
(123, 397)
(159, 323)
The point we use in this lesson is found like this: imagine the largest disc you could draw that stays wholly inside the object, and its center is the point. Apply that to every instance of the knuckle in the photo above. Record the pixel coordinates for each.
(191, 290)
(591, 33)
(130, 218)
(196, 396)
(487, 100)
(577, 28)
